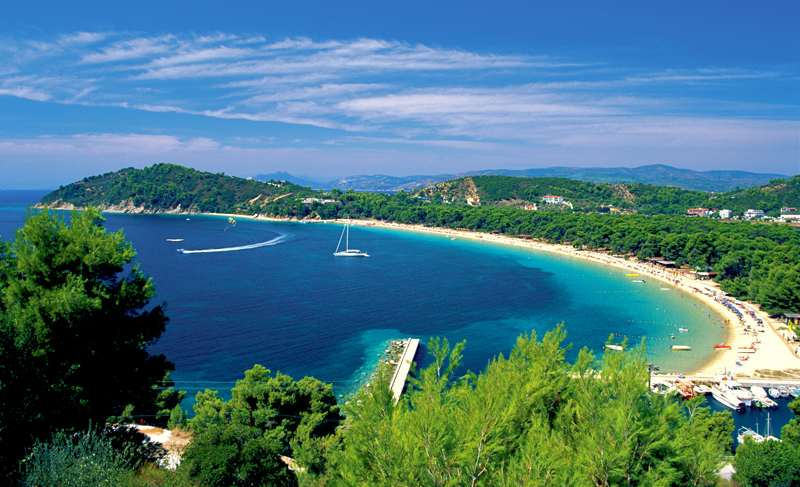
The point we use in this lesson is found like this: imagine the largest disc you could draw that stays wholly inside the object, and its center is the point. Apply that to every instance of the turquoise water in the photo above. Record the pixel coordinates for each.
(289, 305)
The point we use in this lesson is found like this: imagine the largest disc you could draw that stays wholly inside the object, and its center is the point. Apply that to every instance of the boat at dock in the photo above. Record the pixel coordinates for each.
(784, 391)
(347, 252)
(727, 398)
(745, 432)
(774, 392)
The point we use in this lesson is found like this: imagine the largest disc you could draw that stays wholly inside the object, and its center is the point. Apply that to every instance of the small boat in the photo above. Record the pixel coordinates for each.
(683, 329)
(784, 391)
(794, 392)
(774, 392)
(639, 281)
(722, 347)
(347, 252)
(180, 251)
(614, 347)
(174, 240)
(631, 275)
(702, 389)
(681, 347)
(745, 432)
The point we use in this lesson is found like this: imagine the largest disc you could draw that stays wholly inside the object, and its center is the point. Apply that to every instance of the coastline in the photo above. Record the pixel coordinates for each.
(773, 352)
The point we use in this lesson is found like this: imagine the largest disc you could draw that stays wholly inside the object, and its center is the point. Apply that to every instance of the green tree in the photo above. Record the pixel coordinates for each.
(74, 332)
(531, 419)
(767, 464)
(237, 455)
(298, 416)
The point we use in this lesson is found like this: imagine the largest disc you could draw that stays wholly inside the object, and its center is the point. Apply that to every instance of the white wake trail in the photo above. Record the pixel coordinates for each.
(268, 243)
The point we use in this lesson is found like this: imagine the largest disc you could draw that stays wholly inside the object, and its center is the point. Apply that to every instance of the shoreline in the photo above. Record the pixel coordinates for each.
(774, 353)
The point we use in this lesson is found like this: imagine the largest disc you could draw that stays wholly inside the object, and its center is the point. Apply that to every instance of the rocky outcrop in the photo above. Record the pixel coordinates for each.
(125, 206)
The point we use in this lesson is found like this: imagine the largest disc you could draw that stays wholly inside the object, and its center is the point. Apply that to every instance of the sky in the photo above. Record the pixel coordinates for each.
(326, 89)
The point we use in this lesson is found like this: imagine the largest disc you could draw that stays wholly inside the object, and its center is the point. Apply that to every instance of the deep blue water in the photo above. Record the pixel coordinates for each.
(289, 305)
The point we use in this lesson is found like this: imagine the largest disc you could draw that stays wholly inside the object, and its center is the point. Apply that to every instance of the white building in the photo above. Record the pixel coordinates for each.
(549, 198)
(750, 214)
(726, 214)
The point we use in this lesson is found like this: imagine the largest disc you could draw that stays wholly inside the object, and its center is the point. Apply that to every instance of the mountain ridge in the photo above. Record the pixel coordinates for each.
(657, 174)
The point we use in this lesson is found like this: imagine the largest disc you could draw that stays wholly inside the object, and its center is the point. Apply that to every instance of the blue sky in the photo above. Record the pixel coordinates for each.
(329, 89)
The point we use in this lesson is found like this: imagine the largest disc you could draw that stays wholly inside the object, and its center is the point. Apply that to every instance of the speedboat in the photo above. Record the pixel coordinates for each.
(180, 251)
(774, 392)
(784, 391)
(614, 347)
(727, 398)
(683, 329)
(681, 347)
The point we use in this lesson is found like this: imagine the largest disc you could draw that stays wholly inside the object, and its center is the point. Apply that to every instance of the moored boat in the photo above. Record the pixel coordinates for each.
(784, 391)
(745, 432)
(702, 389)
(681, 347)
(774, 392)
(683, 329)
(727, 398)
(722, 347)
(614, 347)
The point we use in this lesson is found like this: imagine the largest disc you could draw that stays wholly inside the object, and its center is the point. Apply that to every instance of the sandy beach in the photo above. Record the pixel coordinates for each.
(774, 352)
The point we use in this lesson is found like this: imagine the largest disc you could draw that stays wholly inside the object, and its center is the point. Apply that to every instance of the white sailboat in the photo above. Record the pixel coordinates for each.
(347, 252)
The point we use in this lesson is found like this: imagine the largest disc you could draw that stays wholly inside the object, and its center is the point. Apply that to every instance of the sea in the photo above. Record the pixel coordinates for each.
(247, 292)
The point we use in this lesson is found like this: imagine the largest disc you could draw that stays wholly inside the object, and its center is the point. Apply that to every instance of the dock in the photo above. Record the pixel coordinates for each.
(403, 366)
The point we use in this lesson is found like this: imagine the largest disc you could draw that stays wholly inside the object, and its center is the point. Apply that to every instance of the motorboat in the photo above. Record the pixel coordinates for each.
(614, 347)
(727, 398)
(761, 399)
(727, 384)
(774, 392)
(784, 391)
(722, 347)
(683, 329)
(681, 347)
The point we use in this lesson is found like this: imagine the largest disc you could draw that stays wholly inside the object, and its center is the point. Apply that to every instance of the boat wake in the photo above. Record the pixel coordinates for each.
(268, 243)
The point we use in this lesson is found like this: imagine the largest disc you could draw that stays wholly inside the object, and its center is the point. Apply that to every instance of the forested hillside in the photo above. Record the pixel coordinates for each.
(756, 261)
(604, 197)
(169, 187)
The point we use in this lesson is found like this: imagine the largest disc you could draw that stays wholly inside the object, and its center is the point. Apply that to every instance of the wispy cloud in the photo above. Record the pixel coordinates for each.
(388, 92)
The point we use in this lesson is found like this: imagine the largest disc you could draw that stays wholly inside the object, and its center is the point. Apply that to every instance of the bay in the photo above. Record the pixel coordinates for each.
(278, 297)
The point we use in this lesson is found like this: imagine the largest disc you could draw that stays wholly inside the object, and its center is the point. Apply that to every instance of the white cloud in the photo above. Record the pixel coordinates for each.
(398, 94)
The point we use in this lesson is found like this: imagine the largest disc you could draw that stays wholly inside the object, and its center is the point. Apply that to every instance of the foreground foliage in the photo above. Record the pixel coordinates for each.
(241, 441)
(531, 419)
(74, 332)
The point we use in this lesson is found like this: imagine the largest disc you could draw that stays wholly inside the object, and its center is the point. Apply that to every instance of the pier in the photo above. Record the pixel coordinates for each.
(398, 382)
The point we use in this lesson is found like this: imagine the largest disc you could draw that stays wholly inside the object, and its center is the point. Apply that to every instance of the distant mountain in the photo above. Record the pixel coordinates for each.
(659, 175)
(285, 176)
